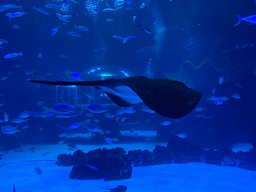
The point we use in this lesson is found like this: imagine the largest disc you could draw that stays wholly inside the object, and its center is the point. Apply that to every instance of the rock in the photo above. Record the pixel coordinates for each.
(147, 158)
(134, 157)
(79, 157)
(64, 160)
(162, 155)
(115, 164)
(109, 164)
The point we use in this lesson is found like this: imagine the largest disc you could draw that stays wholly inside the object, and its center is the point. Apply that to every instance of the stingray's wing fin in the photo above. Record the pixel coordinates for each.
(166, 97)
(118, 100)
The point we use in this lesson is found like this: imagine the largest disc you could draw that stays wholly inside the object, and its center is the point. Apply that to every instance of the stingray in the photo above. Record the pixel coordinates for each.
(166, 97)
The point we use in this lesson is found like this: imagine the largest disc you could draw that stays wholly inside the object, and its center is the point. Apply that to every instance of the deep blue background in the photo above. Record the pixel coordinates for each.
(208, 24)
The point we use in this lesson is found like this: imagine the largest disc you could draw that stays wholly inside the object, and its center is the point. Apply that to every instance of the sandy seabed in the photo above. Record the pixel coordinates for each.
(17, 168)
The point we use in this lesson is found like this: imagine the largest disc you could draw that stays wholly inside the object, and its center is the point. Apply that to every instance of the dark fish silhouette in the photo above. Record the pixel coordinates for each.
(168, 98)
(147, 30)
(38, 171)
(119, 188)
(13, 188)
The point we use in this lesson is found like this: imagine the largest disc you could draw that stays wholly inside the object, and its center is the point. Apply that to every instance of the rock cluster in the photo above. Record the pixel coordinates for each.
(116, 164)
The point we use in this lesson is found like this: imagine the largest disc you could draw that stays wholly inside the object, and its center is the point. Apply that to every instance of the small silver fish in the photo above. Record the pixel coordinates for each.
(14, 14)
(12, 55)
(236, 96)
(108, 140)
(166, 123)
(8, 129)
(221, 80)
(54, 30)
(18, 120)
(82, 28)
(198, 109)
(74, 34)
(42, 11)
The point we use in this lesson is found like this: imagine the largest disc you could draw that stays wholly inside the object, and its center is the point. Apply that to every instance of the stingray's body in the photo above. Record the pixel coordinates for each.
(169, 98)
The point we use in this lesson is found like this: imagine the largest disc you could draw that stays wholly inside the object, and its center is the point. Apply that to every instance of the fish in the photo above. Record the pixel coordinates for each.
(62, 17)
(108, 10)
(51, 6)
(24, 127)
(123, 119)
(63, 108)
(75, 75)
(166, 123)
(96, 120)
(147, 30)
(142, 6)
(74, 34)
(15, 26)
(14, 14)
(1, 121)
(41, 11)
(198, 109)
(74, 125)
(119, 188)
(92, 167)
(54, 30)
(128, 37)
(82, 28)
(63, 56)
(38, 171)
(166, 97)
(13, 188)
(12, 55)
(120, 112)
(224, 98)
(23, 115)
(93, 128)
(157, 23)
(218, 101)
(8, 129)
(39, 103)
(9, 6)
(89, 95)
(251, 19)
(221, 80)
(134, 18)
(62, 135)
(3, 41)
(109, 115)
(96, 108)
(5, 117)
(89, 114)
(117, 37)
(129, 110)
(109, 140)
(181, 135)
(18, 120)
(236, 96)
(212, 98)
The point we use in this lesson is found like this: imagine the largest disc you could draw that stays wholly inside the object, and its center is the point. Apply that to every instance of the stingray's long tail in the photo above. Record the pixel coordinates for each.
(65, 83)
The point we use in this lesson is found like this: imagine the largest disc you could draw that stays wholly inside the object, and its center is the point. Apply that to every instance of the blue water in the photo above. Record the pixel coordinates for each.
(193, 41)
